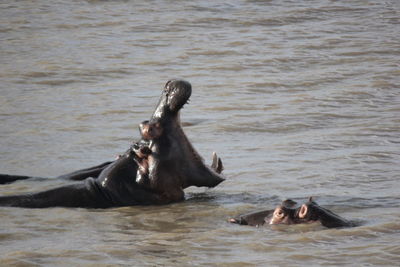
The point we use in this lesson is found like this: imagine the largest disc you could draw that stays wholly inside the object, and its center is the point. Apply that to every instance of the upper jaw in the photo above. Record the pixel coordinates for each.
(178, 93)
(175, 95)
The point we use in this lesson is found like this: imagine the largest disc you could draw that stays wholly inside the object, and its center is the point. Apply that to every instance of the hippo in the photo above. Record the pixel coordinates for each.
(174, 166)
(287, 213)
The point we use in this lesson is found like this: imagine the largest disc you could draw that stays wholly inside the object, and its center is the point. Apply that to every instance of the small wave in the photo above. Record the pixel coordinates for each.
(56, 82)
(90, 25)
(39, 74)
(116, 111)
(5, 30)
(369, 52)
(21, 113)
(213, 53)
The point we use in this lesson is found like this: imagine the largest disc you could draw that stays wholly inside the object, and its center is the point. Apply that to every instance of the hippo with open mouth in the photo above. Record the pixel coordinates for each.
(287, 213)
(154, 171)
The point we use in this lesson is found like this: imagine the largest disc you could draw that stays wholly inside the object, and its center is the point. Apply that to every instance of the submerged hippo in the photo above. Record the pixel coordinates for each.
(175, 165)
(287, 213)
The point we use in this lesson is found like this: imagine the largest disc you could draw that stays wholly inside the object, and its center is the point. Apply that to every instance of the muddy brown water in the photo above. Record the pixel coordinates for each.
(299, 98)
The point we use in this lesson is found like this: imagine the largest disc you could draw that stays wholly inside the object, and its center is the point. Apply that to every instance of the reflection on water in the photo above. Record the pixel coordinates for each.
(298, 99)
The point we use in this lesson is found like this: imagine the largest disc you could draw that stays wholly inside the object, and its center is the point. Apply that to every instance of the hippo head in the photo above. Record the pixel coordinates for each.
(309, 211)
(288, 213)
(177, 158)
(312, 212)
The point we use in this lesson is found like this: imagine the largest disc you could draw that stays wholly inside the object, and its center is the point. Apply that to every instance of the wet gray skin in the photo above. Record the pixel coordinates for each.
(287, 213)
(175, 145)
(284, 213)
(175, 165)
(175, 154)
(312, 212)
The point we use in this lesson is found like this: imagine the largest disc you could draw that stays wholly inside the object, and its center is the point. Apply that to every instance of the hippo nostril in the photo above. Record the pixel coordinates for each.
(167, 84)
(167, 87)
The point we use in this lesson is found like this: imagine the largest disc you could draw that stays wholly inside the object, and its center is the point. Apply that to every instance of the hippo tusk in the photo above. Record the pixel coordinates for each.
(217, 165)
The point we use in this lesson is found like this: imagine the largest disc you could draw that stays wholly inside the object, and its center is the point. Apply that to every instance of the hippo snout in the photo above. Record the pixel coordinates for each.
(177, 93)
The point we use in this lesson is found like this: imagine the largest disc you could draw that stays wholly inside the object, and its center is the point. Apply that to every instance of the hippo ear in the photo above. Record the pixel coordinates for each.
(214, 161)
(303, 211)
(288, 203)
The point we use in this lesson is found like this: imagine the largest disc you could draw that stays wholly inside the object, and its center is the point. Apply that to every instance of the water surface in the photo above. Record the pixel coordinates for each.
(299, 98)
